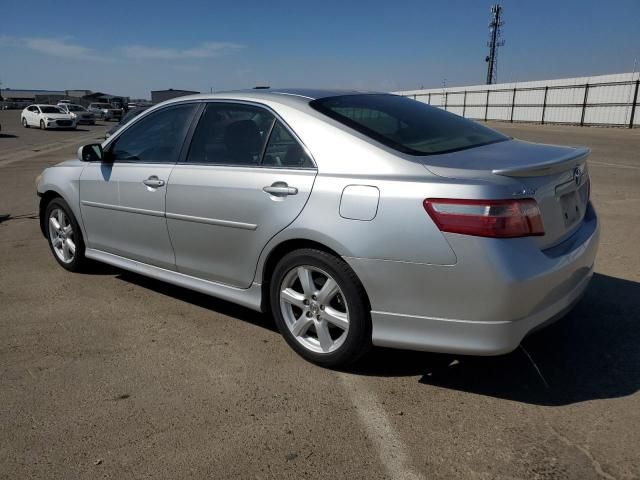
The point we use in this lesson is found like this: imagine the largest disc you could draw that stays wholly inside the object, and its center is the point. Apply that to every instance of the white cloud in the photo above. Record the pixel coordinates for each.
(59, 48)
(62, 47)
(6, 41)
(205, 50)
(50, 46)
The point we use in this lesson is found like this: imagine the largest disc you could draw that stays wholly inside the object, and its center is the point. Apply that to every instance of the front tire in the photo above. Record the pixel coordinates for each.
(321, 308)
(42, 127)
(64, 236)
(25, 124)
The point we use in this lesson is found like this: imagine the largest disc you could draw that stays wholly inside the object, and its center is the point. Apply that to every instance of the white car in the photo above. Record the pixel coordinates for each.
(46, 116)
(81, 114)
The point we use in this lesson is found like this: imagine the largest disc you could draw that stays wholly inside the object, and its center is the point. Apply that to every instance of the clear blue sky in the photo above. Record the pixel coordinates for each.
(132, 47)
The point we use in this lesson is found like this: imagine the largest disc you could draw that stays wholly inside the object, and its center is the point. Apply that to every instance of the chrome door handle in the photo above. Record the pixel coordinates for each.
(280, 189)
(153, 182)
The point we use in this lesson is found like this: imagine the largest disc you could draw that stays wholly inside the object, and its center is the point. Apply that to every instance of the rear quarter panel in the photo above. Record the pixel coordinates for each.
(401, 229)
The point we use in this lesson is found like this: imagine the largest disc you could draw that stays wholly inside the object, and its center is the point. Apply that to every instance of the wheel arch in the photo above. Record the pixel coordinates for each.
(45, 198)
(278, 252)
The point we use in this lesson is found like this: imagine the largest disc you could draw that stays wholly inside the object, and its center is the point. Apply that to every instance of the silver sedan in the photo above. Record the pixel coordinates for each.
(355, 219)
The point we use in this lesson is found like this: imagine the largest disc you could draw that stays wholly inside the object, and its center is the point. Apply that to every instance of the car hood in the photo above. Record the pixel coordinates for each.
(69, 163)
(58, 116)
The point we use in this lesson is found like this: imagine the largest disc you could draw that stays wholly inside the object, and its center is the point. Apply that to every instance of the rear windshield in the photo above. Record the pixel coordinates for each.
(406, 125)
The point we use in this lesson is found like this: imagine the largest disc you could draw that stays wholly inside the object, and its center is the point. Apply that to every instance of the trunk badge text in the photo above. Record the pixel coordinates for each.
(525, 191)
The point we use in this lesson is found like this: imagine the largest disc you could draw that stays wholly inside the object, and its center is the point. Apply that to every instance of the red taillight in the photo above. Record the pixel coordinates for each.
(486, 218)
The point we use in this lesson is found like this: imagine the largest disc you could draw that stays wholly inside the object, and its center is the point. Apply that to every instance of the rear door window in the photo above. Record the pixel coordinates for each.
(231, 134)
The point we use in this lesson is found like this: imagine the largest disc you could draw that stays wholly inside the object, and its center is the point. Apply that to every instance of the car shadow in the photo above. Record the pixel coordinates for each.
(592, 353)
(8, 135)
(5, 217)
(199, 299)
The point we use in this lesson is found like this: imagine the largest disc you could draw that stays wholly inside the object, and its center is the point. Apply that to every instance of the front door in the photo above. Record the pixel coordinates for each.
(244, 179)
(122, 199)
(32, 116)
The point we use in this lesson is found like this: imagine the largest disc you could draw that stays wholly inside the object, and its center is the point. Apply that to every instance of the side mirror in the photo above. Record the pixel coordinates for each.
(91, 153)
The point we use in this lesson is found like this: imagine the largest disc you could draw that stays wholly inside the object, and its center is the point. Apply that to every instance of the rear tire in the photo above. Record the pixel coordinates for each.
(320, 308)
(64, 236)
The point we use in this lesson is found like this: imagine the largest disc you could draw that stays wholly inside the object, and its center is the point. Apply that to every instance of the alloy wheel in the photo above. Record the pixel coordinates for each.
(61, 235)
(314, 309)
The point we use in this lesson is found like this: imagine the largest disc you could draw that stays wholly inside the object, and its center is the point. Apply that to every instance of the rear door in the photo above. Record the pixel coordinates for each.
(123, 200)
(244, 178)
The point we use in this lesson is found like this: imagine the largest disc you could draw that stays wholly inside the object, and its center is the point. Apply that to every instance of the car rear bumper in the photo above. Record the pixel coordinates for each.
(497, 292)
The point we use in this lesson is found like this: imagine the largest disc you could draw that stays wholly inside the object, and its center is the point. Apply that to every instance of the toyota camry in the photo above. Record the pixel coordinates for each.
(354, 219)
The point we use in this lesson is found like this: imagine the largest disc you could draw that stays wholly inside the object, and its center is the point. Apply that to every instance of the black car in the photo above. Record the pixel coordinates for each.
(130, 115)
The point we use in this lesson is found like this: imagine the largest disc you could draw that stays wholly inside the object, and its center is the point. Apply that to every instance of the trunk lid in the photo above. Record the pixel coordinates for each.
(556, 177)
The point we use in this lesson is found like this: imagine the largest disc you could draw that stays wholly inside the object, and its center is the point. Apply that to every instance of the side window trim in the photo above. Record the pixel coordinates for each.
(183, 160)
(186, 145)
(268, 139)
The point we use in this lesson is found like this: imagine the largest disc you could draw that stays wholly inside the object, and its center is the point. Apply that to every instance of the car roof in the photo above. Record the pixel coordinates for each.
(292, 96)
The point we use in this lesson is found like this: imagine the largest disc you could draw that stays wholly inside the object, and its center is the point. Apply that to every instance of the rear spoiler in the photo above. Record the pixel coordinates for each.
(539, 169)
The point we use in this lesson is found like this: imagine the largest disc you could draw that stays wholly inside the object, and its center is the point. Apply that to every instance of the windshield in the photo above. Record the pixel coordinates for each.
(76, 108)
(101, 105)
(406, 125)
(48, 109)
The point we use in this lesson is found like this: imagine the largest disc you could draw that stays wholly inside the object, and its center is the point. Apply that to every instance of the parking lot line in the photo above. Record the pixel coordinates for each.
(390, 448)
(616, 165)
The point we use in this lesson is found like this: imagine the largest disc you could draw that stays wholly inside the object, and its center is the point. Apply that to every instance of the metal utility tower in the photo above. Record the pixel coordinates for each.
(495, 41)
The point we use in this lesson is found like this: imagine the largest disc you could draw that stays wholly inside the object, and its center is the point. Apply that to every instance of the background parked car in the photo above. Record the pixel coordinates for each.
(105, 111)
(81, 114)
(14, 104)
(46, 116)
(131, 114)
